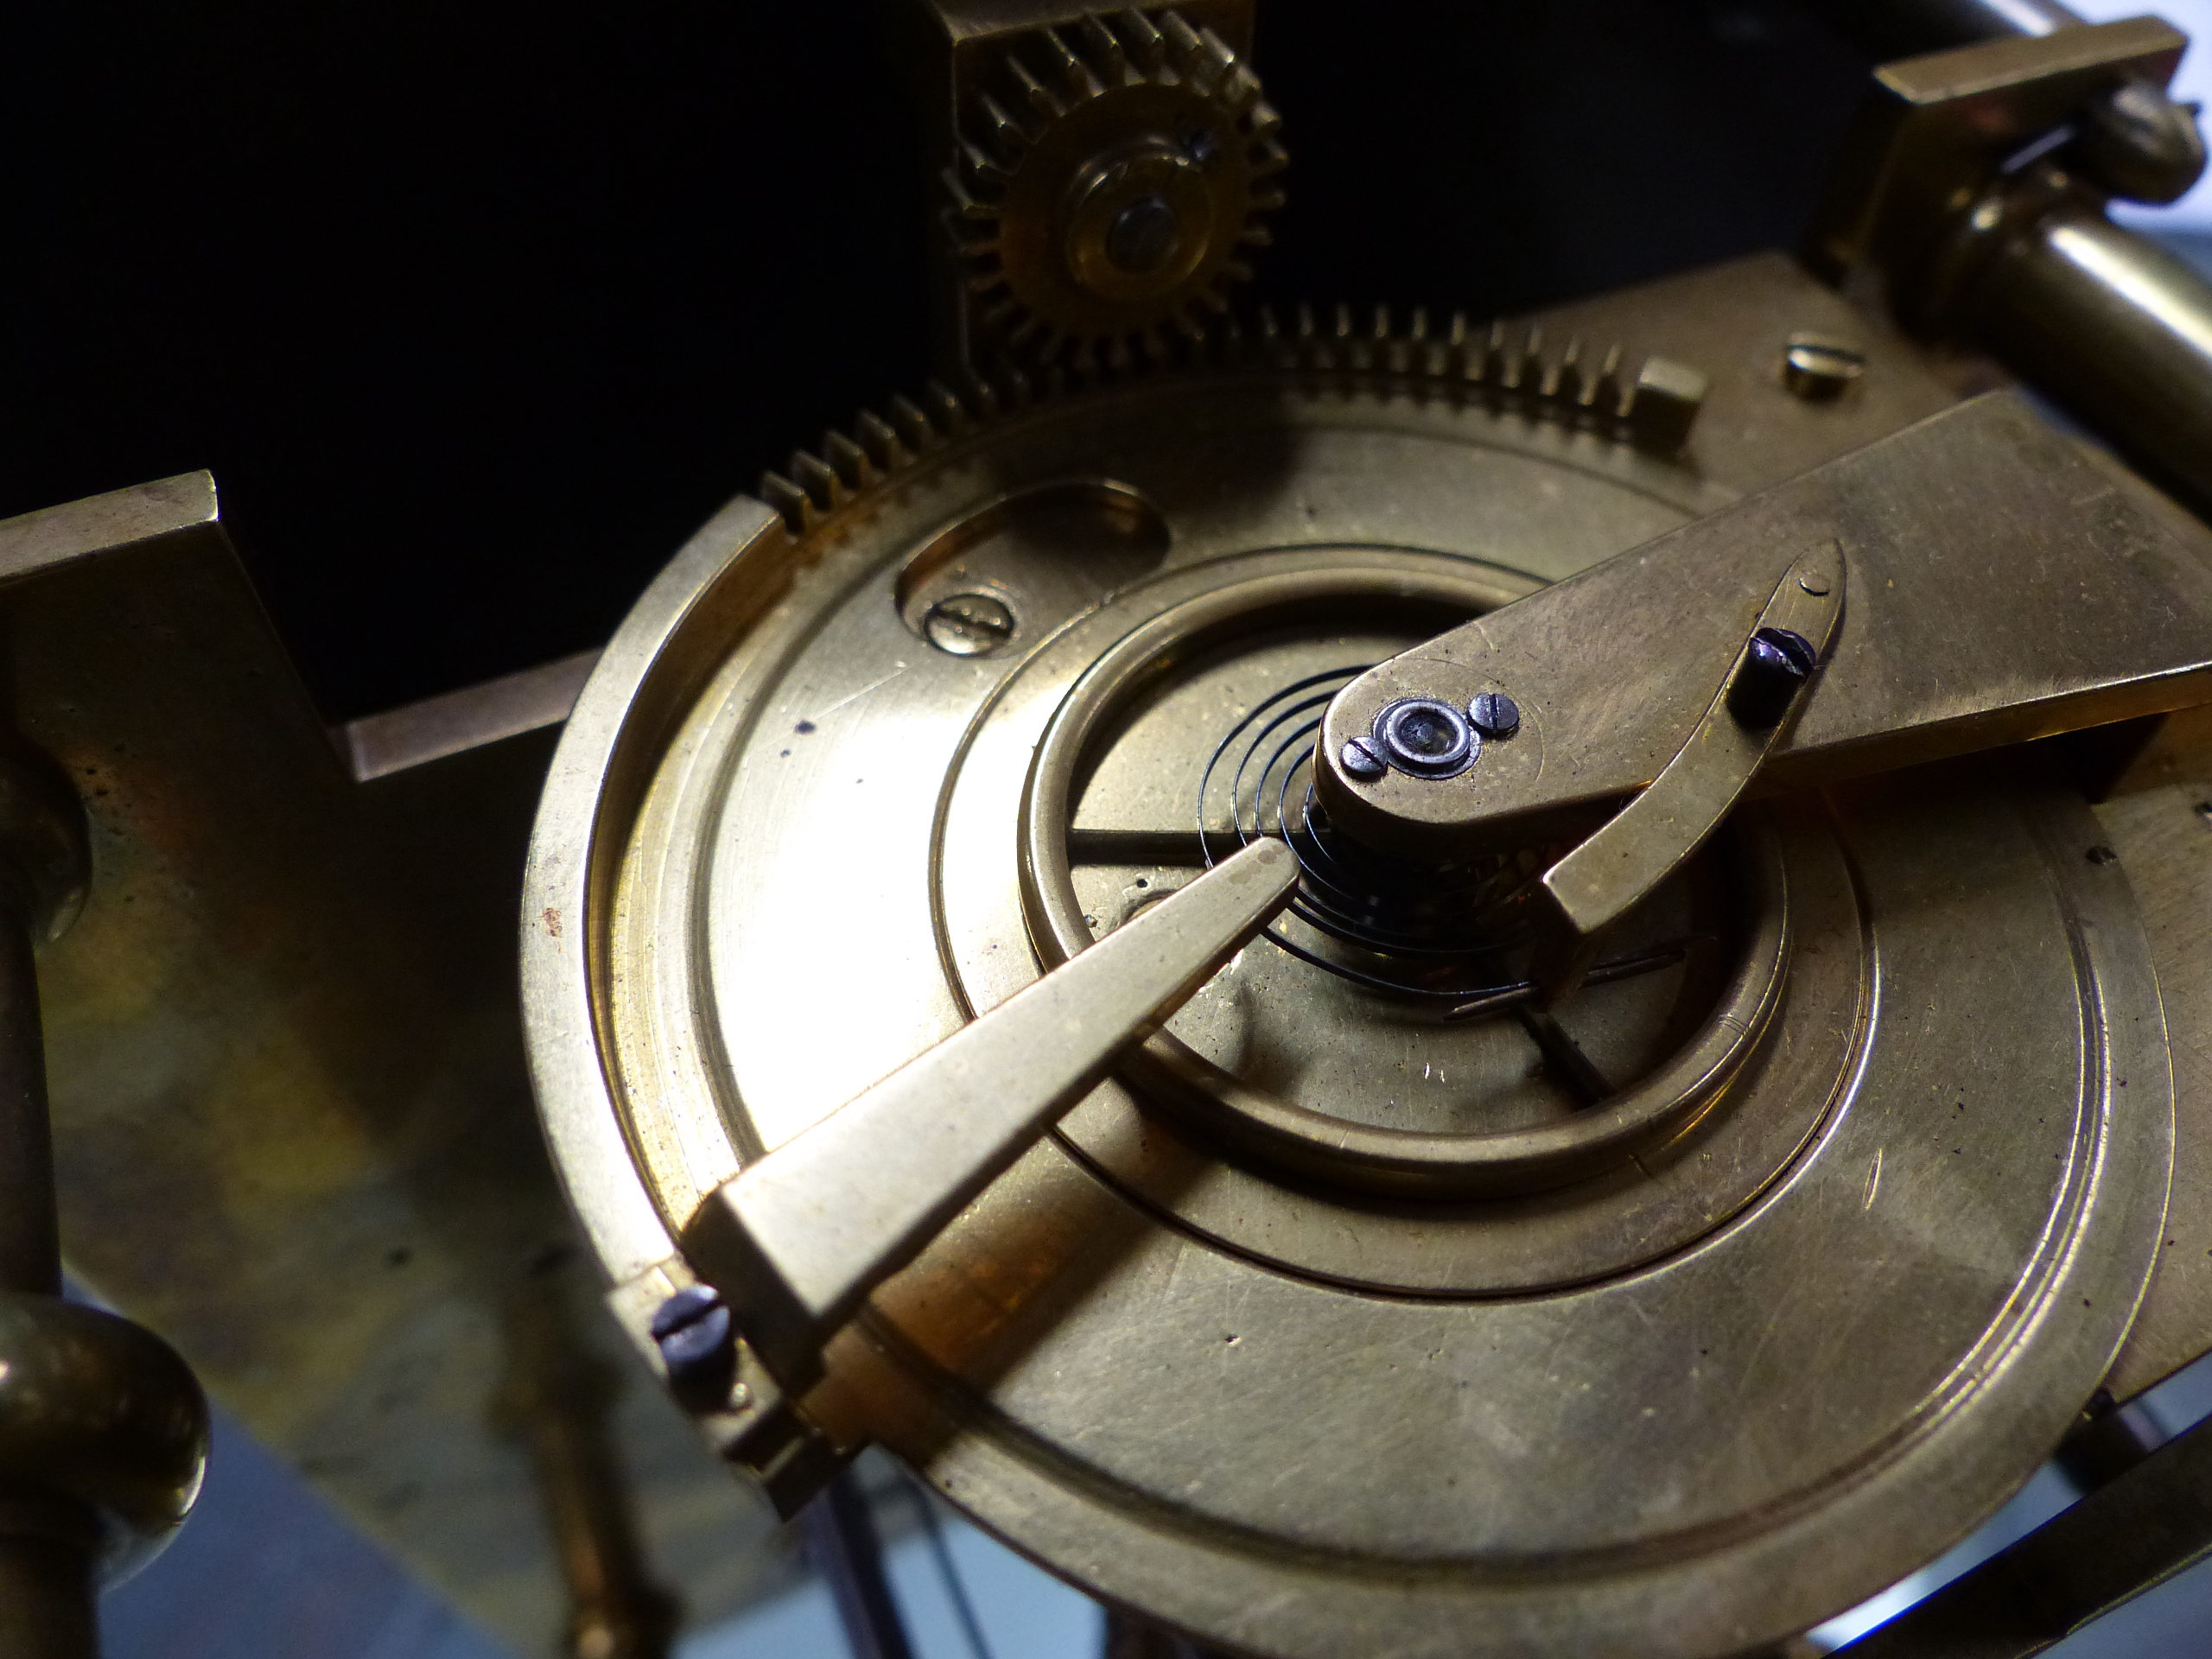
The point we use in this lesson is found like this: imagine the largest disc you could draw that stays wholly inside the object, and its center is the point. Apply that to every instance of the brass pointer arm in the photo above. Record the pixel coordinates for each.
(2002, 588)
(797, 1240)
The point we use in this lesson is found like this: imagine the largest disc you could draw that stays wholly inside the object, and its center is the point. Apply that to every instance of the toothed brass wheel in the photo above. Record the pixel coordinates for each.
(1107, 190)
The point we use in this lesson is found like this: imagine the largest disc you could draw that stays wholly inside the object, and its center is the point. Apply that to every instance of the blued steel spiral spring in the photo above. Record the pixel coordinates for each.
(1445, 932)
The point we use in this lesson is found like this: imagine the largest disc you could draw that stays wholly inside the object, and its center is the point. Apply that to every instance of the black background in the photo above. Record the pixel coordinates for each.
(476, 312)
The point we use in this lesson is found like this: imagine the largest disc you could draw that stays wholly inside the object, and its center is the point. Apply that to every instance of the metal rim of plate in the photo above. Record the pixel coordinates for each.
(1703, 1453)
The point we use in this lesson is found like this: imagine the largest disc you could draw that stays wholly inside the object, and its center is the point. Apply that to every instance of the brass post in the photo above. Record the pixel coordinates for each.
(47, 1590)
(103, 1431)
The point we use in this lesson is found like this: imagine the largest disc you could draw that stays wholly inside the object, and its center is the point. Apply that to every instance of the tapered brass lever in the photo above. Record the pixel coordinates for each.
(797, 1240)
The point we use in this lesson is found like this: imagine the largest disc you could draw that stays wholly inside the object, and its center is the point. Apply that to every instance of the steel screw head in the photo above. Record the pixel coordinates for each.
(697, 1338)
(1360, 759)
(1776, 663)
(968, 625)
(1494, 714)
(1425, 737)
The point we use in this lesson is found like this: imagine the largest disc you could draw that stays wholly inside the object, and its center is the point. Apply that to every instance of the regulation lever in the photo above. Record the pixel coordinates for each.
(2003, 588)
(797, 1240)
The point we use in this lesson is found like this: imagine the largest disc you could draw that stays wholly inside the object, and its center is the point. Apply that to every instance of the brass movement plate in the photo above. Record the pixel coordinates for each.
(1690, 1392)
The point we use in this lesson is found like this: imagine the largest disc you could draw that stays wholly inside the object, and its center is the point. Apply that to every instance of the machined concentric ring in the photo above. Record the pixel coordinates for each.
(1258, 595)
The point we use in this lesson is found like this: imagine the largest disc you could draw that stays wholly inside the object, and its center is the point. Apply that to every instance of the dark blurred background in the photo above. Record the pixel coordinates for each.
(476, 312)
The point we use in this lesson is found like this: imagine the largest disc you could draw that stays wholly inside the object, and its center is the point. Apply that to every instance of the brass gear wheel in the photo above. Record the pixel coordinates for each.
(1105, 197)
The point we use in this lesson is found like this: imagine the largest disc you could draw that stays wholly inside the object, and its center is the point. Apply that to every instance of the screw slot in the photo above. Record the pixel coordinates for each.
(697, 1343)
(1361, 759)
(1494, 714)
(969, 625)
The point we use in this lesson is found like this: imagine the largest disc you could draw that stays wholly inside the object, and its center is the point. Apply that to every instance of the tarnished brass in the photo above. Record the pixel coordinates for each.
(1960, 534)
(291, 1121)
(103, 1429)
(1651, 838)
(1108, 172)
(101, 1416)
(800, 1237)
(557, 1398)
(954, 930)
(2140, 143)
(1938, 128)
(1213, 1272)
(1976, 183)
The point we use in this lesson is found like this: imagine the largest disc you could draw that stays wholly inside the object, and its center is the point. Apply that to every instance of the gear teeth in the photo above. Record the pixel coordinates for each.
(1565, 381)
(849, 460)
(819, 480)
(1606, 398)
(1143, 42)
(914, 428)
(1011, 138)
(1013, 387)
(977, 398)
(1039, 98)
(1462, 362)
(1526, 372)
(1187, 48)
(1494, 365)
(951, 417)
(1105, 46)
(1455, 359)
(1075, 75)
(981, 179)
(796, 507)
(1042, 79)
(1238, 92)
(971, 209)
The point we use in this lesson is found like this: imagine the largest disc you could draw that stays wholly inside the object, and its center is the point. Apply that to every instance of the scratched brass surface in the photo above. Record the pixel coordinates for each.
(746, 905)
(292, 1128)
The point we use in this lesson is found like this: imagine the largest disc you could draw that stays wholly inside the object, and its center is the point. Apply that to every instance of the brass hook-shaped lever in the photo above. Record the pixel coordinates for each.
(1649, 839)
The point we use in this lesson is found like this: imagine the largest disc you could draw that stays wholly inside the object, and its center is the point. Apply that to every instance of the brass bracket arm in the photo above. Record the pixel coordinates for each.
(2003, 588)
(1936, 131)
(797, 1240)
